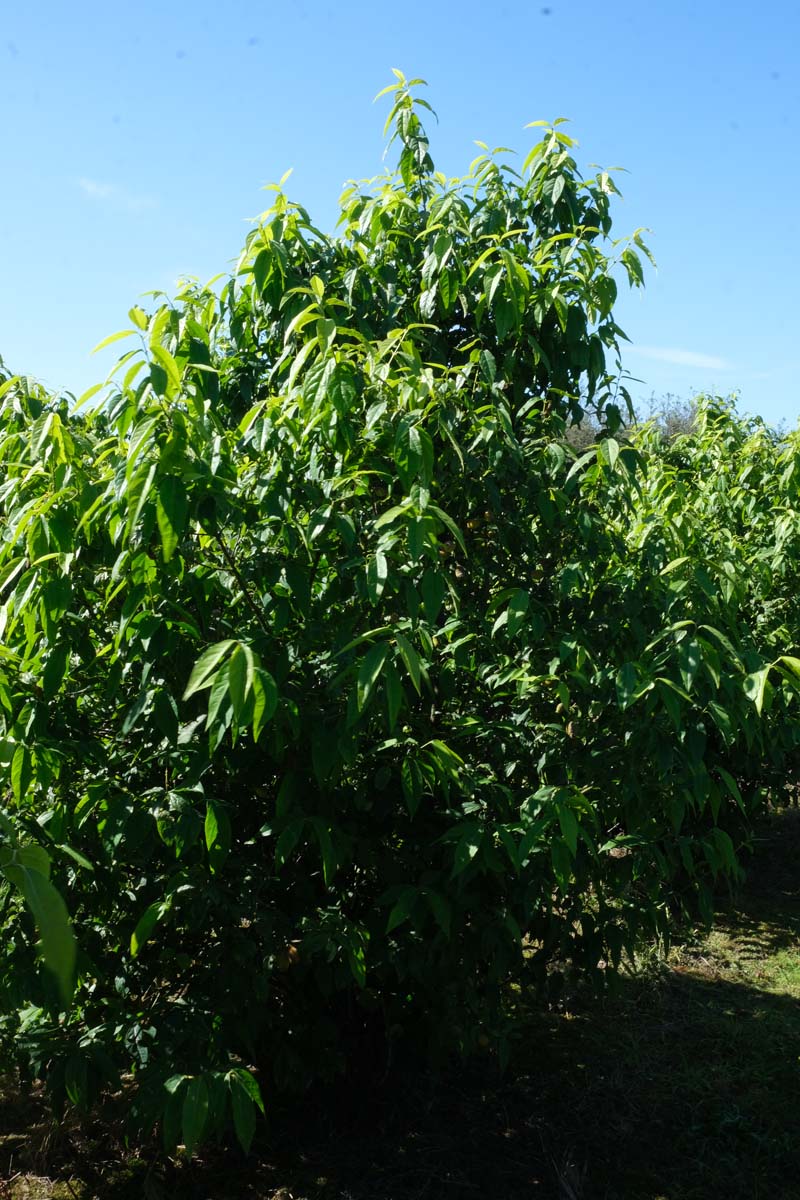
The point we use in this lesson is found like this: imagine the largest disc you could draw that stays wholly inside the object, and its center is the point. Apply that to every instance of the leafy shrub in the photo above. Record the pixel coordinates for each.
(338, 689)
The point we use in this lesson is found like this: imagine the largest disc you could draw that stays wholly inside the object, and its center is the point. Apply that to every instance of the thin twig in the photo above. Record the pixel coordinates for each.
(235, 572)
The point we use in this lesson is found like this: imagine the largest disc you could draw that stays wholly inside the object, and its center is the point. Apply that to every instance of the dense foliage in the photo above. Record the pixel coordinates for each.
(337, 688)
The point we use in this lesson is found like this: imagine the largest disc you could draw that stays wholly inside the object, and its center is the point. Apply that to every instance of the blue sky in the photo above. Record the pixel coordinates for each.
(135, 140)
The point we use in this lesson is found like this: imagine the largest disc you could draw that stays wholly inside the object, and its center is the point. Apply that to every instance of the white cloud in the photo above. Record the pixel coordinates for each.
(116, 195)
(681, 358)
(91, 187)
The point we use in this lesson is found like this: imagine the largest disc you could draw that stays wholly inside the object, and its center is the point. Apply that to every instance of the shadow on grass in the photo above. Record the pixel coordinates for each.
(684, 1085)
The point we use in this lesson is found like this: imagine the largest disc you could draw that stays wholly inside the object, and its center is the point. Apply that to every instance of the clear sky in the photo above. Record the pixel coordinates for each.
(135, 139)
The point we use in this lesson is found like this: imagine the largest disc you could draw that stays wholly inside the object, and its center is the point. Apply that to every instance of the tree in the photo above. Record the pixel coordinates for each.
(330, 668)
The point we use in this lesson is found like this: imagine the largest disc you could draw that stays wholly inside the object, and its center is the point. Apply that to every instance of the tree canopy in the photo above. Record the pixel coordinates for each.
(337, 689)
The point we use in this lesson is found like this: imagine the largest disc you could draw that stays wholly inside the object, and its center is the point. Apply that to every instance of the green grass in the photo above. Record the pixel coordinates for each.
(683, 1085)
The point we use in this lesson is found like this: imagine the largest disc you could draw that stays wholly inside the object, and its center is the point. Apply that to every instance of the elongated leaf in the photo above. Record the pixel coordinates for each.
(569, 827)
(449, 524)
(732, 786)
(441, 909)
(434, 590)
(34, 858)
(689, 660)
(330, 861)
(756, 687)
(168, 363)
(244, 1115)
(217, 831)
(369, 672)
(377, 571)
(410, 658)
(627, 683)
(412, 782)
(249, 1084)
(145, 925)
(203, 670)
(466, 849)
(21, 772)
(220, 707)
(265, 700)
(402, 908)
(113, 337)
(391, 515)
(517, 609)
(172, 507)
(55, 929)
(608, 450)
(194, 1113)
(793, 665)
(394, 693)
(237, 681)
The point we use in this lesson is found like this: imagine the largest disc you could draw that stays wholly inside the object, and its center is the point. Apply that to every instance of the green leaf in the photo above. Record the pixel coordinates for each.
(167, 363)
(407, 453)
(237, 681)
(145, 925)
(21, 772)
(138, 316)
(175, 1087)
(627, 682)
(608, 451)
(249, 1084)
(113, 337)
(318, 379)
(569, 827)
(203, 670)
(441, 909)
(220, 706)
(287, 840)
(488, 367)
(172, 507)
(244, 1115)
(217, 834)
(55, 669)
(265, 700)
(690, 658)
(55, 930)
(402, 909)
(674, 565)
(194, 1113)
(410, 658)
(732, 786)
(793, 664)
(757, 687)
(135, 711)
(466, 849)
(357, 962)
(369, 672)
(412, 783)
(517, 610)
(76, 856)
(34, 858)
(434, 589)
(330, 863)
(449, 524)
(377, 570)
(723, 721)
(391, 515)
(394, 693)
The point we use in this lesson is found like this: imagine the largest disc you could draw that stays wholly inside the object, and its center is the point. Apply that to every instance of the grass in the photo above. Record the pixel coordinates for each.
(684, 1085)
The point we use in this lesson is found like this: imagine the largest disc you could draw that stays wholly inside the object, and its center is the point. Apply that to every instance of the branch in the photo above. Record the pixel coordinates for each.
(235, 572)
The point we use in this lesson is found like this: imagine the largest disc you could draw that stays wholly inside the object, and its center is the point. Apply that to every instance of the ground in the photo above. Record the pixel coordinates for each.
(684, 1085)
